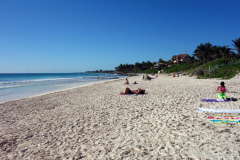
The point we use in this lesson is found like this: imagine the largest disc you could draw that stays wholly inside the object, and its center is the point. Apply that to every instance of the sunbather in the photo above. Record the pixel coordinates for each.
(149, 78)
(221, 90)
(138, 91)
(126, 81)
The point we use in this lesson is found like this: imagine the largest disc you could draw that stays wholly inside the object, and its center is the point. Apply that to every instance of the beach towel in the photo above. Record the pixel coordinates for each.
(224, 117)
(218, 119)
(214, 100)
(218, 110)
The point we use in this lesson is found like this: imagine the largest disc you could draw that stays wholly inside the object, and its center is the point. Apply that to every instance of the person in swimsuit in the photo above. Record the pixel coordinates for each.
(149, 78)
(138, 91)
(221, 90)
(126, 81)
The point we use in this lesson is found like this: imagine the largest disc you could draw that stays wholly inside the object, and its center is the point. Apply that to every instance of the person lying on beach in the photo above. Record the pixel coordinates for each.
(149, 78)
(221, 91)
(138, 91)
(126, 81)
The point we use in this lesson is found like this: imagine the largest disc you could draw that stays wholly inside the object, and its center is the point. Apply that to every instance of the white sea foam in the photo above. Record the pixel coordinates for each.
(38, 80)
(17, 89)
(54, 79)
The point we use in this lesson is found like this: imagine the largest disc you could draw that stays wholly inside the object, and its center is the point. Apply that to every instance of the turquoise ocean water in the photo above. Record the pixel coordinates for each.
(22, 85)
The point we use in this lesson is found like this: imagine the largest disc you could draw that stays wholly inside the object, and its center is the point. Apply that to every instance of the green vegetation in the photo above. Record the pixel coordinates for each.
(208, 61)
(224, 68)
(236, 45)
(147, 71)
(226, 72)
(221, 68)
(130, 68)
(182, 67)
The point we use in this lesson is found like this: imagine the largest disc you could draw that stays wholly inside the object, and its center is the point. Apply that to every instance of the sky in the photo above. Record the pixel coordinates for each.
(61, 36)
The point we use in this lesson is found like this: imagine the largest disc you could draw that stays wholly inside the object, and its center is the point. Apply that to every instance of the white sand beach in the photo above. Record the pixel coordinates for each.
(95, 122)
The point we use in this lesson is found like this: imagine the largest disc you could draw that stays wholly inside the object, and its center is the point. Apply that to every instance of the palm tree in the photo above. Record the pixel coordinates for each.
(216, 52)
(204, 52)
(192, 60)
(225, 51)
(137, 66)
(119, 68)
(200, 52)
(143, 63)
(236, 45)
(209, 51)
(149, 64)
(232, 55)
(161, 61)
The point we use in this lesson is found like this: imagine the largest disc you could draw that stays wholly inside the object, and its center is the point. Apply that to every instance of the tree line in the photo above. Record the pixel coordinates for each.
(134, 67)
(203, 53)
(207, 52)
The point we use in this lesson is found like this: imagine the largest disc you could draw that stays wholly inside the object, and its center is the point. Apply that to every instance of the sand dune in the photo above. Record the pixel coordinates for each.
(95, 122)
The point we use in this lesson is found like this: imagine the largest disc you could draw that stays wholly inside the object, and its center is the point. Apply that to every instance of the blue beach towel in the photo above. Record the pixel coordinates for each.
(219, 121)
(213, 100)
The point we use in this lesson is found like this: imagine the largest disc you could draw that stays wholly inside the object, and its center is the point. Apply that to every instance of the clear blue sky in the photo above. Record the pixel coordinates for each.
(79, 35)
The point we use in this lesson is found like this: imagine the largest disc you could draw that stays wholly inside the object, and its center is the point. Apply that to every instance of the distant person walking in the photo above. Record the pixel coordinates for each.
(143, 77)
(98, 78)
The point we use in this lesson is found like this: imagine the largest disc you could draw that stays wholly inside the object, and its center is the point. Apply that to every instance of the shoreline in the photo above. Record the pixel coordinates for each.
(95, 122)
(84, 85)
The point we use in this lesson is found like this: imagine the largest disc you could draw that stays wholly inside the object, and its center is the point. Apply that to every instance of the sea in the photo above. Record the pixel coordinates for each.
(15, 86)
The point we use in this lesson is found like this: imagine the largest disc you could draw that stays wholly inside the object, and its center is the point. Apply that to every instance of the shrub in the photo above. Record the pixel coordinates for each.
(147, 71)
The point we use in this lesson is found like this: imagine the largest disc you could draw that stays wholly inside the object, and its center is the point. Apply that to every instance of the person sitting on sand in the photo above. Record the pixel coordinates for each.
(138, 91)
(135, 82)
(221, 91)
(126, 81)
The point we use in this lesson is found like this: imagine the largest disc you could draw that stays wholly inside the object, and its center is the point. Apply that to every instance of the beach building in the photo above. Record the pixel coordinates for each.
(180, 58)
